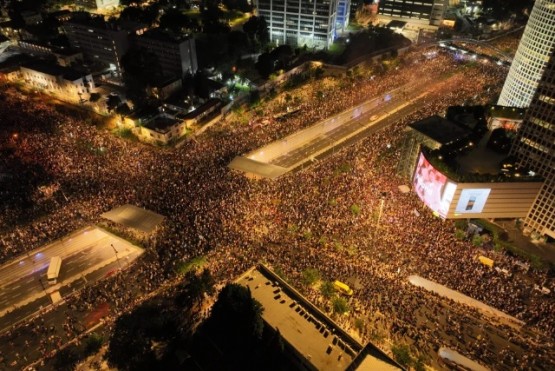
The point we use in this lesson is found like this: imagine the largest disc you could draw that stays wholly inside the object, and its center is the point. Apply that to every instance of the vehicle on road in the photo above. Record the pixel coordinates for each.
(54, 270)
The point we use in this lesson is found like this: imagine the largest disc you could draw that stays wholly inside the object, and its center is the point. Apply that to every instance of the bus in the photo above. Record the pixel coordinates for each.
(54, 270)
(342, 288)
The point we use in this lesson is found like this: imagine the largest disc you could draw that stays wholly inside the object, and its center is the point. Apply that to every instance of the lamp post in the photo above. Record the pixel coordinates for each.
(117, 257)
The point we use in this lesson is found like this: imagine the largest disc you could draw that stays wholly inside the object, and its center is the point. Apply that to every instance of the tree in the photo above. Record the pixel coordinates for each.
(175, 21)
(66, 359)
(135, 333)
(262, 33)
(401, 354)
(237, 313)
(310, 276)
(93, 343)
(327, 290)
(265, 65)
(340, 305)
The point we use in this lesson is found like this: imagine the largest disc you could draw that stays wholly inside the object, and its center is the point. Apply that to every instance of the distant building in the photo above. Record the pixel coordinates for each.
(177, 55)
(164, 128)
(343, 15)
(300, 22)
(534, 149)
(420, 11)
(101, 41)
(64, 56)
(58, 80)
(97, 4)
(163, 89)
(30, 17)
(531, 57)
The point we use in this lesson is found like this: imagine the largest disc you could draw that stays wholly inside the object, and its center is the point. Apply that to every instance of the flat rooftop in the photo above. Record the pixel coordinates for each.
(440, 129)
(161, 124)
(315, 336)
(134, 217)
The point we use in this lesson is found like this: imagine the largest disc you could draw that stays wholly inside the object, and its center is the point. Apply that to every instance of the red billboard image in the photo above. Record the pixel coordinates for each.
(429, 184)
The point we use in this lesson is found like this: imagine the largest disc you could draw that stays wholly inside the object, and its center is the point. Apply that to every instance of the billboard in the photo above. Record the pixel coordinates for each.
(433, 187)
(457, 200)
(472, 200)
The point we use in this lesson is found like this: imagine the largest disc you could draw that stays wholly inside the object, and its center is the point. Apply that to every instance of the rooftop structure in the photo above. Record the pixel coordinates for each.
(531, 57)
(300, 22)
(134, 217)
(317, 342)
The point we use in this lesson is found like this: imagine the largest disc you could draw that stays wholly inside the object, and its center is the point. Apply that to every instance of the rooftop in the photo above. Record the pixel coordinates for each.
(315, 336)
(161, 124)
(164, 36)
(513, 113)
(53, 69)
(441, 130)
(134, 217)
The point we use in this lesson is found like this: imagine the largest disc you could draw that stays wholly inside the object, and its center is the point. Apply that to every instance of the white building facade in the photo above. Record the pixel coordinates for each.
(300, 22)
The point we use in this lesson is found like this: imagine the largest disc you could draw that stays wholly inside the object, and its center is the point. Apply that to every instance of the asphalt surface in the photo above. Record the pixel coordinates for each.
(379, 112)
(87, 256)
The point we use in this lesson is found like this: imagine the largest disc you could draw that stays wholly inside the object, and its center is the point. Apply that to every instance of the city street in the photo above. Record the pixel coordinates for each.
(87, 255)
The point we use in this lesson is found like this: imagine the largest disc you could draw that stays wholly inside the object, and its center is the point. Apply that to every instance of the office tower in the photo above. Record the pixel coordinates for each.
(177, 55)
(343, 14)
(534, 149)
(422, 11)
(99, 41)
(299, 22)
(531, 56)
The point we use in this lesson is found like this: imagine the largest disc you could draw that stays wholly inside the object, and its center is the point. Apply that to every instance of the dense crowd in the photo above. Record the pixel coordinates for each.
(303, 220)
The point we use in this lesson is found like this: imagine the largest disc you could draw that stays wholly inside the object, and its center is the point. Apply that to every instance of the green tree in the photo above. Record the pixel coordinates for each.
(340, 305)
(310, 276)
(327, 290)
(401, 354)
(175, 21)
(66, 359)
(93, 343)
(237, 314)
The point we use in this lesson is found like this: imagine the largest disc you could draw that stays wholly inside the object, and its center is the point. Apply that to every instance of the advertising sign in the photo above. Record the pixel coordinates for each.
(429, 185)
(472, 200)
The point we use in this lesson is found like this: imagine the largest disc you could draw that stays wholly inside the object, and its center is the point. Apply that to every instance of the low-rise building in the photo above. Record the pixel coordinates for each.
(62, 81)
(162, 129)
(64, 56)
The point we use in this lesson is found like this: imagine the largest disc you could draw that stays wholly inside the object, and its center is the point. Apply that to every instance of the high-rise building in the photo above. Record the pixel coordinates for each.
(531, 56)
(423, 11)
(177, 55)
(534, 149)
(99, 41)
(299, 22)
(343, 15)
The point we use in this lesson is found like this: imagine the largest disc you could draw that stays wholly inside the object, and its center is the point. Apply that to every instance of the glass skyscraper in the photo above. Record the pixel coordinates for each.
(534, 149)
(531, 56)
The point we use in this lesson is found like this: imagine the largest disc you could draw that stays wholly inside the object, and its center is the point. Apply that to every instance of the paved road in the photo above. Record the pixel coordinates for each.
(381, 112)
(87, 255)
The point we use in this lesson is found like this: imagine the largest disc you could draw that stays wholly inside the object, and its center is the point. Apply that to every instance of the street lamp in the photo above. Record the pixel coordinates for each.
(117, 257)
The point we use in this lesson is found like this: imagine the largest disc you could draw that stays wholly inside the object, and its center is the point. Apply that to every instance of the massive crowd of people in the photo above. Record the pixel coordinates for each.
(65, 173)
